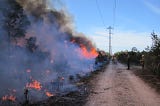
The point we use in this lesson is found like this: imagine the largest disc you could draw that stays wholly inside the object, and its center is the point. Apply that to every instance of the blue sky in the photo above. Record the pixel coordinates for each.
(134, 21)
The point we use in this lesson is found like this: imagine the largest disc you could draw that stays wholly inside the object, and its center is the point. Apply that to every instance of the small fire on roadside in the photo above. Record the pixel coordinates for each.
(34, 85)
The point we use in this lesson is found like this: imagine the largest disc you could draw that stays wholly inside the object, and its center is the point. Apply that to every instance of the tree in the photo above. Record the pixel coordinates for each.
(134, 49)
(152, 58)
(15, 21)
(155, 49)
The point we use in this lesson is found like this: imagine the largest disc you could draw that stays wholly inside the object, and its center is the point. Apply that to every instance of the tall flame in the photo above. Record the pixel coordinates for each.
(92, 53)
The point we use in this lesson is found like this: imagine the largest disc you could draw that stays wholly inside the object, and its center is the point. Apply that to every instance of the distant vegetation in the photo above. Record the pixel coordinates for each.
(135, 56)
(151, 55)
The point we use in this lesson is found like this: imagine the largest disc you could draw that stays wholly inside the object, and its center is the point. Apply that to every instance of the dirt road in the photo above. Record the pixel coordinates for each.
(120, 87)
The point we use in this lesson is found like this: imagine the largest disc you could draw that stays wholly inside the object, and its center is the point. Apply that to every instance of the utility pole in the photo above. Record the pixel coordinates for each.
(110, 47)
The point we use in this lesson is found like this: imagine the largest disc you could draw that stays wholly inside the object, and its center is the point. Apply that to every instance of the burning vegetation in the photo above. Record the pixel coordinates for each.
(88, 53)
(34, 85)
(49, 94)
(40, 50)
(9, 98)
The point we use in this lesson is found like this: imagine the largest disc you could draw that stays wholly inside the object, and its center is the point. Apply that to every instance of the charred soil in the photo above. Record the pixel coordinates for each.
(73, 98)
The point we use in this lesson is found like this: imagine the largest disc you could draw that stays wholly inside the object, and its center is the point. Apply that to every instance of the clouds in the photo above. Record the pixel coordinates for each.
(122, 40)
(153, 7)
(128, 39)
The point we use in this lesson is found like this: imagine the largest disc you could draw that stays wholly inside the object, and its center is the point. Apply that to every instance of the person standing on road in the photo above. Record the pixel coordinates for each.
(142, 61)
(128, 61)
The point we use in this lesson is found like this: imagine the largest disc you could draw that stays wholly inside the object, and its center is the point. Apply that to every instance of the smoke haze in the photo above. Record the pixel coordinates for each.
(39, 47)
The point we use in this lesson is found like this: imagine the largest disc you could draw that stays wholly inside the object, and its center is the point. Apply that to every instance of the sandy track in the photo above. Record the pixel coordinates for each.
(120, 87)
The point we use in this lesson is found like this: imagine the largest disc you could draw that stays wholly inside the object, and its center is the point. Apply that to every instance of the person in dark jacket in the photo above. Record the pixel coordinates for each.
(142, 61)
(128, 61)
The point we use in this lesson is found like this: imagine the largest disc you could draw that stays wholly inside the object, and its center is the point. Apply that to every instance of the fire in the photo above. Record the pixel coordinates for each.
(89, 53)
(49, 94)
(34, 84)
(28, 70)
(9, 97)
(61, 78)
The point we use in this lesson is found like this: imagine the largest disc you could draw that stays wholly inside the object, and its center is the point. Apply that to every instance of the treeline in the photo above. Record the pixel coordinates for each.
(151, 56)
(135, 57)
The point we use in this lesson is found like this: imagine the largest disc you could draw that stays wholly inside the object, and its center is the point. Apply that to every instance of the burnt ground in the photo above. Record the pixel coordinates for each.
(111, 85)
(74, 98)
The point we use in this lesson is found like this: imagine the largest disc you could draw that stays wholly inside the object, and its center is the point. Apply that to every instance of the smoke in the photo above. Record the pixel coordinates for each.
(39, 49)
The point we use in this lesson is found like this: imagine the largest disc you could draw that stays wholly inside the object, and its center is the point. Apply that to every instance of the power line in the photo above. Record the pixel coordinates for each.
(100, 13)
(114, 21)
(114, 12)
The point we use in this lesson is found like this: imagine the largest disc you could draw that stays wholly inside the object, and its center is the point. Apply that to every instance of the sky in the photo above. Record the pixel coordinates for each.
(133, 21)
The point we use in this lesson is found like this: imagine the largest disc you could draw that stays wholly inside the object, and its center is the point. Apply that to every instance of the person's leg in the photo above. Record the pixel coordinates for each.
(128, 65)
(143, 66)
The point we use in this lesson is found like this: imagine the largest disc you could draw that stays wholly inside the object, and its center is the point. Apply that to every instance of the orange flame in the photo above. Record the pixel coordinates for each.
(9, 97)
(89, 53)
(49, 94)
(34, 84)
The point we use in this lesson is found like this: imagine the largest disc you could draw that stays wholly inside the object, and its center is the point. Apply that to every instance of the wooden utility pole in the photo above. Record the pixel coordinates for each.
(110, 47)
